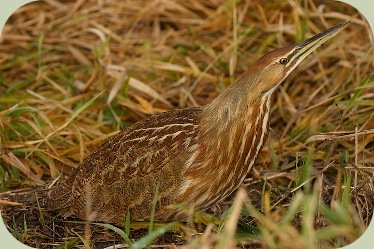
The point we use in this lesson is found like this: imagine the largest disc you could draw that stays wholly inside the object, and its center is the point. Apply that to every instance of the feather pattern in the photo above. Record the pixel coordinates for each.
(125, 171)
(194, 156)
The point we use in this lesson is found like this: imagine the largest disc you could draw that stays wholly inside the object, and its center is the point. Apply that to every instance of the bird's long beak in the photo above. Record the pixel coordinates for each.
(306, 47)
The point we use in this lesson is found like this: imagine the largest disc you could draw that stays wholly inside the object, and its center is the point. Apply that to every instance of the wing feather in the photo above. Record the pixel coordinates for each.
(133, 157)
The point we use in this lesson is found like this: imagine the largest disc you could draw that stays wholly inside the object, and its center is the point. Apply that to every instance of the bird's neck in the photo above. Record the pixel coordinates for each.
(232, 130)
(233, 108)
(236, 126)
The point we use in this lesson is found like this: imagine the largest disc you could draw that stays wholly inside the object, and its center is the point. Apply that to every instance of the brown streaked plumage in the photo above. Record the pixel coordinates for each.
(195, 156)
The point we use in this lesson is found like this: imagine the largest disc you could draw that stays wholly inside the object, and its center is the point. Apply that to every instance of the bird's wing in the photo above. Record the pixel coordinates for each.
(141, 149)
(135, 152)
(122, 174)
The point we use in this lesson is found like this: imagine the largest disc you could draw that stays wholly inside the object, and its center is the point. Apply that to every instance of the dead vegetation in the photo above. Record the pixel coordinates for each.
(73, 73)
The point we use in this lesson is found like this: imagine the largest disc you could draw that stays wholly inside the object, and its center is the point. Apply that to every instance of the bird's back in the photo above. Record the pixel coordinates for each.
(123, 174)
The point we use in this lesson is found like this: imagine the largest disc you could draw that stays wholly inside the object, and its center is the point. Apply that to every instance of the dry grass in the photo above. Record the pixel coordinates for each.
(74, 73)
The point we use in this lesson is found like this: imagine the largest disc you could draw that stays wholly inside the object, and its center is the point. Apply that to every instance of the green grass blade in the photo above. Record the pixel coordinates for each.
(293, 208)
(346, 200)
(120, 232)
(146, 240)
(76, 114)
(127, 224)
(154, 203)
(306, 170)
(108, 226)
(84, 241)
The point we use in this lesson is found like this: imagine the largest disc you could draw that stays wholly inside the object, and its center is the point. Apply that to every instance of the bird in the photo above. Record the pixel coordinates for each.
(194, 157)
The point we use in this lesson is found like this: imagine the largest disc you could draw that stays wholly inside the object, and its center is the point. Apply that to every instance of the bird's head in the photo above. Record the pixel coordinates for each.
(263, 78)
(272, 68)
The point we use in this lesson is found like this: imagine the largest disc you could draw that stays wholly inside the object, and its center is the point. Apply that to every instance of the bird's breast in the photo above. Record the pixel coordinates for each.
(220, 163)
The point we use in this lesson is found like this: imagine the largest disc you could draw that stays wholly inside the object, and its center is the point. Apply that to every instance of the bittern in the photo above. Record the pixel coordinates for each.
(193, 156)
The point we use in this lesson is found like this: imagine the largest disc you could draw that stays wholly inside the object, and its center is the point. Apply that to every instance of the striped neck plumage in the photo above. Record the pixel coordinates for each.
(233, 105)
(232, 131)
(235, 121)
(229, 146)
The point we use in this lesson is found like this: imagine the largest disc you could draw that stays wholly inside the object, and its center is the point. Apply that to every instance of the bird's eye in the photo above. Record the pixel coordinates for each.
(283, 61)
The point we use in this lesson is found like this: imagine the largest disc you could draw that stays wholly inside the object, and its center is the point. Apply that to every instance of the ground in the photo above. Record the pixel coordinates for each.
(72, 73)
